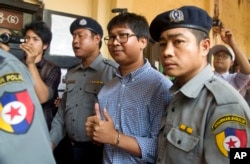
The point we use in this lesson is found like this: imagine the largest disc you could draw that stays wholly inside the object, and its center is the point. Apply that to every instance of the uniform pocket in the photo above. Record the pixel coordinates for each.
(93, 88)
(69, 88)
(182, 140)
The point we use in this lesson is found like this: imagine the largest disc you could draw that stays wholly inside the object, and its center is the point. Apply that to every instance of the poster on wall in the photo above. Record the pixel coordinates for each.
(62, 39)
(60, 50)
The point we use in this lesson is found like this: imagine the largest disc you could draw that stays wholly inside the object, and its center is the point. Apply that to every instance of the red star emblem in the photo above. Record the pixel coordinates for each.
(231, 143)
(13, 112)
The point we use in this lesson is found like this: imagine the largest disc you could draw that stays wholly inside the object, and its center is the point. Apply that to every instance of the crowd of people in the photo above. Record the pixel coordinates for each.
(124, 110)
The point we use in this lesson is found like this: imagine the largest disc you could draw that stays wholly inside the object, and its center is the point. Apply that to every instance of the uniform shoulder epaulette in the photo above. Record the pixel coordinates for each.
(110, 62)
(224, 96)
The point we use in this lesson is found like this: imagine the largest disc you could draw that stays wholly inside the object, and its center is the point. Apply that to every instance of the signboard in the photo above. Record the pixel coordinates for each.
(11, 19)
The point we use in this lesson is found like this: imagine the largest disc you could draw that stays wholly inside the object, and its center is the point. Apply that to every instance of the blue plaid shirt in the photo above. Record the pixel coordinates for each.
(136, 103)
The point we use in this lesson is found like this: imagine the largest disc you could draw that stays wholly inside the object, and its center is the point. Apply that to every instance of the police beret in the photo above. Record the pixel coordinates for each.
(217, 48)
(88, 23)
(185, 17)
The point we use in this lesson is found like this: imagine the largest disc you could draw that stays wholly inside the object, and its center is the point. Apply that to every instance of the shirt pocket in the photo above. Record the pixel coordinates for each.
(70, 95)
(93, 88)
(182, 140)
(69, 88)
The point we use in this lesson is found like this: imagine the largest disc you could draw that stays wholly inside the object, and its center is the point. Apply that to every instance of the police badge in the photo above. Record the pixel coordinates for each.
(83, 22)
(176, 16)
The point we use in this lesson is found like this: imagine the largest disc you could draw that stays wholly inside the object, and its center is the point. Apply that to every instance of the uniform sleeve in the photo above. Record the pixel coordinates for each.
(228, 128)
(57, 131)
(29, 130)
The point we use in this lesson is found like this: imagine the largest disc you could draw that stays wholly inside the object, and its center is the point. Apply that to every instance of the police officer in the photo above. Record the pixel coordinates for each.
(207, 116)
(24, 136)
(83, 82)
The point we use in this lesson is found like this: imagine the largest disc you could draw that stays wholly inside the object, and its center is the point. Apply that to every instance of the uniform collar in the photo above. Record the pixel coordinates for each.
(94, 65)
(40, 64)
(193, 87)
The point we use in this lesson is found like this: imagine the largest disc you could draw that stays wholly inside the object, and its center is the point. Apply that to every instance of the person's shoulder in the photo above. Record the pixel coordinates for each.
(110, 63)
(73, 67)
(7, 57)
(222, 91)
(157, 75)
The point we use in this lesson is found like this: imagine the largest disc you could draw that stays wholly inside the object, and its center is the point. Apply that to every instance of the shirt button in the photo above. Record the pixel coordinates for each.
(76, 105)
(172, 109)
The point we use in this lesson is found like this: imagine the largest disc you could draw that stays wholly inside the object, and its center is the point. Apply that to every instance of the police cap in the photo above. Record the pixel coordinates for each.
(184, 17)
(88, 23)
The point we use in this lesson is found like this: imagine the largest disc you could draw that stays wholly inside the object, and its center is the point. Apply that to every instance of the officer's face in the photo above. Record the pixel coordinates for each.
(181, 56)
(85, 44)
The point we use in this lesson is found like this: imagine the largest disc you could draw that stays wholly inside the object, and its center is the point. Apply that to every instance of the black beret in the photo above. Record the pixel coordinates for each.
(185, 17)
(88, 23)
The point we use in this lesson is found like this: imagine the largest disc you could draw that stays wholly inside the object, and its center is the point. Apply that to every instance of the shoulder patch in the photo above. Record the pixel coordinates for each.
(231, 138)
(10, 77)
(110, 62)
(16, 112)
(229, 118)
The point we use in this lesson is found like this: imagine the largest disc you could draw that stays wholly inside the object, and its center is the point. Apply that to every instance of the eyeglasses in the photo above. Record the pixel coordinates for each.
(221, 55)
(121, 38)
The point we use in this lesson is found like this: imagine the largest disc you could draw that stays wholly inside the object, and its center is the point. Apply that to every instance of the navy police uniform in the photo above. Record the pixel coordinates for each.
(80, 95)
(24, 136)
(207, 116)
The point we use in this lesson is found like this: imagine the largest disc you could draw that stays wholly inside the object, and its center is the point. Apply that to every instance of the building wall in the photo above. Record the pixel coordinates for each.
(233, 13)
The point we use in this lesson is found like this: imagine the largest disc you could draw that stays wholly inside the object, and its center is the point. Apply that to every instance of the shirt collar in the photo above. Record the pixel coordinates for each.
(223, 75)
(94, 65)
(41, 63)
(193, 87)
(133, 75)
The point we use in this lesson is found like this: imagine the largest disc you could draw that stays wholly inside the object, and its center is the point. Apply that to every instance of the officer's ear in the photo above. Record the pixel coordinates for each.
(205, 46)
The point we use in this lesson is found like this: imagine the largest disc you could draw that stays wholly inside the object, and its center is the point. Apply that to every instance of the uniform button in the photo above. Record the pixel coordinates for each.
(84, 74)
(179, 142)
(80, 89)
(158, 160)
(172, 109)
(73, 119)
(164, 135)
(76, 105)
